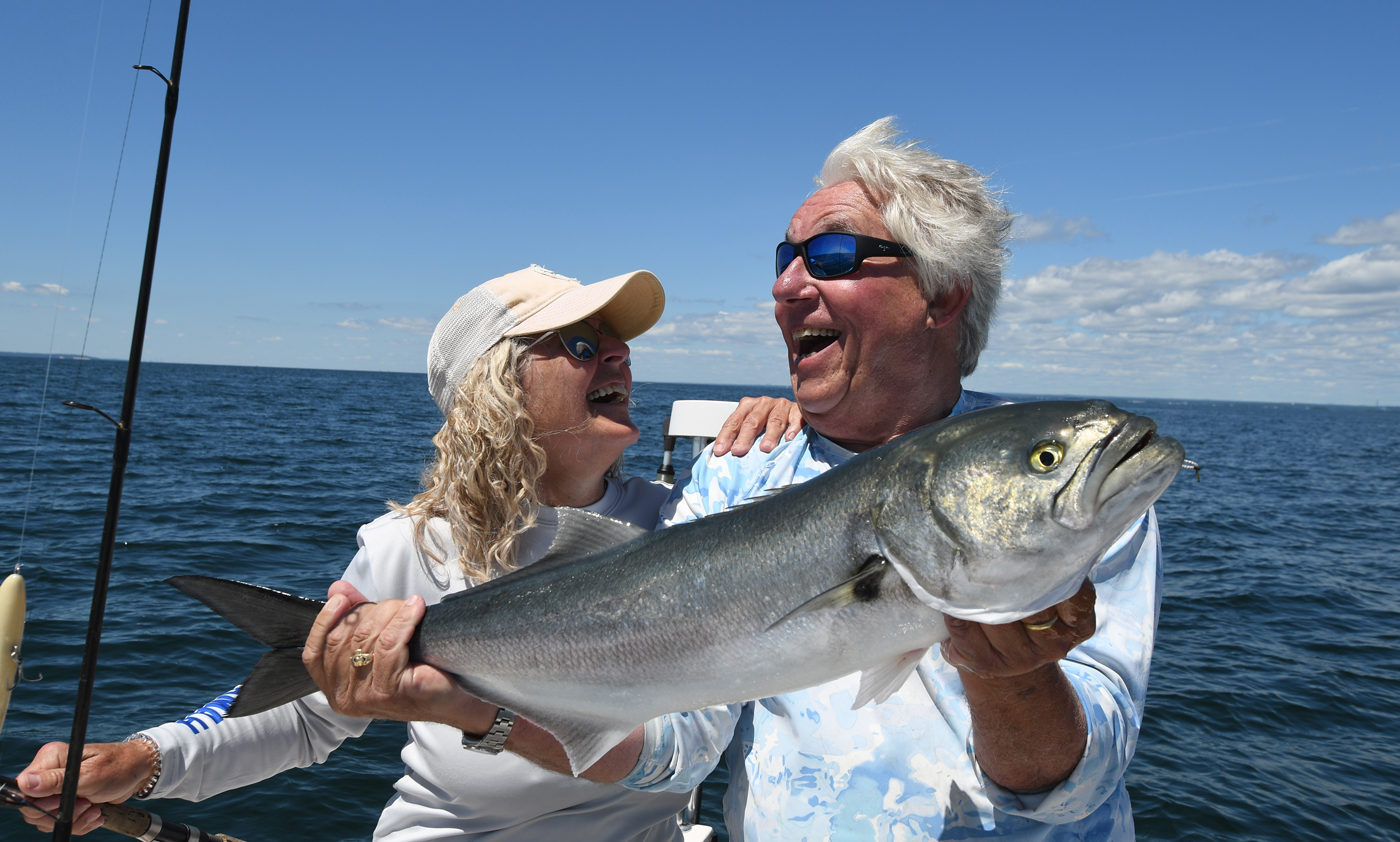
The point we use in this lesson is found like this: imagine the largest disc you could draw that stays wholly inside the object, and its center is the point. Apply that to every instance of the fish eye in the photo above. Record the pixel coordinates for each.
(1046, 455)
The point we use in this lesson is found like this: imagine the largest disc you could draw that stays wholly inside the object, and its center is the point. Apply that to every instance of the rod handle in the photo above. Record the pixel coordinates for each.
(128, 821)
(138, 824)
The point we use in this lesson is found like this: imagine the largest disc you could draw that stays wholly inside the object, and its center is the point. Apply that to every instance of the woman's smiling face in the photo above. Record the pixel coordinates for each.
(580, 410)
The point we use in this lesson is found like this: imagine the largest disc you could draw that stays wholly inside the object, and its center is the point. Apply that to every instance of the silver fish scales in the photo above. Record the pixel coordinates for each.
(990, 516)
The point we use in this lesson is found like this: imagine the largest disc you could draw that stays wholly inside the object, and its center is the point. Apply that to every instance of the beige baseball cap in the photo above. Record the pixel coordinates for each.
(530, 301)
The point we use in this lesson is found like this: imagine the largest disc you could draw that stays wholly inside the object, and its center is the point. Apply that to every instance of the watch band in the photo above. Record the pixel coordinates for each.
(494, 740)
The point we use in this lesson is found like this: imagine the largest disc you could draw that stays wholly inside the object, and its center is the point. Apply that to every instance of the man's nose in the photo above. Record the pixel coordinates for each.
(794, 282)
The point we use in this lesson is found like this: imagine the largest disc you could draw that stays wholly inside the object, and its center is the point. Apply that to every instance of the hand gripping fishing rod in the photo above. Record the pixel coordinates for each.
(63, 824)
(128, 821)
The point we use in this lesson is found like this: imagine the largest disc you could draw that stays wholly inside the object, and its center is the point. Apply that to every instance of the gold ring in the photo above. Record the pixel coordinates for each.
(1054, 618)
(361, 658)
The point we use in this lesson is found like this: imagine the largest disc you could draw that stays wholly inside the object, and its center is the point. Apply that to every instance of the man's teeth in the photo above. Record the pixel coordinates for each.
(812, 339)
(608, 393)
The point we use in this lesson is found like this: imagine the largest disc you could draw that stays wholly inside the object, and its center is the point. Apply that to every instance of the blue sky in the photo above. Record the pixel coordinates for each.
(1210, 193)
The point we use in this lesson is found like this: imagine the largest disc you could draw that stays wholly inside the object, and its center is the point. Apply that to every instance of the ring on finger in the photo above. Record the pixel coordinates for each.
(361, 658)
(1054, 618)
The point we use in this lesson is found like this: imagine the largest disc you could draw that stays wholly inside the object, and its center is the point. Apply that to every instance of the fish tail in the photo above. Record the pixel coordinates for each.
(275, 619)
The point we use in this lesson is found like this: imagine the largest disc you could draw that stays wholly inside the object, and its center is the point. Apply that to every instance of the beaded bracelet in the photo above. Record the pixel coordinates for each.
(150, 786)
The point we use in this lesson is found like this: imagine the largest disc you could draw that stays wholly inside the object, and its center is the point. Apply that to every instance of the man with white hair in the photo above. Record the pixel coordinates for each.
(886, 285)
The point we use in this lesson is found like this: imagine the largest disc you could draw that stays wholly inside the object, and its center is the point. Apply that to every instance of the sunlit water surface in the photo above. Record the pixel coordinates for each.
(1272, 712)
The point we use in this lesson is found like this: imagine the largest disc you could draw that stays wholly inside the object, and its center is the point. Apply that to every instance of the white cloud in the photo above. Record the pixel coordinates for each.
(421, 326)
(1160, 285)
(1366, 232)
(353, 324)
(1128, 326)
(710, 330)
(37, 289)
(162, 322)
(1050, 227)
(682, 352)
(270, 339)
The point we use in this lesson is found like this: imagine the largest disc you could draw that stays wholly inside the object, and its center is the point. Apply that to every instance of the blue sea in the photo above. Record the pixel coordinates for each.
(1274, 706)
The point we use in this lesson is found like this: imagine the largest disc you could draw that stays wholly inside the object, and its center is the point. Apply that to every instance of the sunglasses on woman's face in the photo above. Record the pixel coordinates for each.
(833, 255)
(581, 339)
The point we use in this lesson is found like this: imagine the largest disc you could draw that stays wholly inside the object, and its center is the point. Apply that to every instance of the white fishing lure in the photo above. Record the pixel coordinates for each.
(11, 633)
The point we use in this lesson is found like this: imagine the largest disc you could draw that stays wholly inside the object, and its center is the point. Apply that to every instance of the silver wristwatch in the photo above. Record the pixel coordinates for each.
(494, 740)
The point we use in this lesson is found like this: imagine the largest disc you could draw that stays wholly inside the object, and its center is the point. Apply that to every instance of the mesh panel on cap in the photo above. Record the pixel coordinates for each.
(476, 322)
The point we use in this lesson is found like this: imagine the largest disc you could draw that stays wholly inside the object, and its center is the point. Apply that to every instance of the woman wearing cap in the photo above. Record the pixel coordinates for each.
(531, 373)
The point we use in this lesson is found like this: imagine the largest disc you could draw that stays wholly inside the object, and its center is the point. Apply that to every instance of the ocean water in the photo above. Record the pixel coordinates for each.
(1273, 710)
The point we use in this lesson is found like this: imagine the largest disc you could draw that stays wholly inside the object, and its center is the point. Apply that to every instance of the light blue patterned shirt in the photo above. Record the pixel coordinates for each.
(806, 766)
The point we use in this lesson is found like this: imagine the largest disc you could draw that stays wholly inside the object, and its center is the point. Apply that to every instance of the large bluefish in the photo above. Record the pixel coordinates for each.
(989, 516)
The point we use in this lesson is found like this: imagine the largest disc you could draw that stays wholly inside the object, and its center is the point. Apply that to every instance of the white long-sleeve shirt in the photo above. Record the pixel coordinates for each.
(446, 792)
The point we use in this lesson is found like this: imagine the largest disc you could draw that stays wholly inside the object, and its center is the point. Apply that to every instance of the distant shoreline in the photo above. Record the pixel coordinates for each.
(1018, 396)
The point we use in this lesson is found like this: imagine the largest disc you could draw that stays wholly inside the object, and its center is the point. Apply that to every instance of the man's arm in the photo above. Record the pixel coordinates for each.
(1108, 673)
(1028, 726)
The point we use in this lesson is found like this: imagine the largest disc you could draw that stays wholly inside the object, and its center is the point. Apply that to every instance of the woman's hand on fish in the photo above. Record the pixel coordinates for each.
(774, 418)
(390, 686)
(111, 773)
(393, 687)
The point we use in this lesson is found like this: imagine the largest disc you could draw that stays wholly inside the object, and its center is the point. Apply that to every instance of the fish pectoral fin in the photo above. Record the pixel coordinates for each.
(878, 682)
(861, 587)
(585, 739)
(280, 677)
(582, 533)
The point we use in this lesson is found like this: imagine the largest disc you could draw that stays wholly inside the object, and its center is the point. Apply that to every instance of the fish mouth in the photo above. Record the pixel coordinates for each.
(1131, 458)
(811, 340)
(608, 394)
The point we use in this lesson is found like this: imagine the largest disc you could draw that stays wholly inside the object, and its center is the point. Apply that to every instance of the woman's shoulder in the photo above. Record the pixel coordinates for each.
(389, 556)
(389, 527)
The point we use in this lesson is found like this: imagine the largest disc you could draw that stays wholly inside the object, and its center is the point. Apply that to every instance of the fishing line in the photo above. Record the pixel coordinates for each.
(136, 78)
(53, 331)
(62, 273)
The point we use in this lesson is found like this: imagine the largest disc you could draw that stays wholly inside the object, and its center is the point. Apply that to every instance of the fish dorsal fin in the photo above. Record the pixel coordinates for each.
(878, 682)
(583, 533)
(862, 587)
(766, 494)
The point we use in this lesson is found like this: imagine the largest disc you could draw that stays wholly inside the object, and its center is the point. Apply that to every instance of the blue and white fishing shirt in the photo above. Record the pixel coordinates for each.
(806, 766)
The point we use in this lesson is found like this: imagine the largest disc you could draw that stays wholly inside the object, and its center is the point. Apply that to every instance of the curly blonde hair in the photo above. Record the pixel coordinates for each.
(483, 478)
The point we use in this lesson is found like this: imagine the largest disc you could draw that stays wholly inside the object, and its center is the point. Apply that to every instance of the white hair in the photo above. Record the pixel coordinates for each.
(943, 211)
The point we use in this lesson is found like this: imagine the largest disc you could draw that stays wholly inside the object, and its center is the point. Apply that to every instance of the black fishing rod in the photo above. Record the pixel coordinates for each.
(63, 825)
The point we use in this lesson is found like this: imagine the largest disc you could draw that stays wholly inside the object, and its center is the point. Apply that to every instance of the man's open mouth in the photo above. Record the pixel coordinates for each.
(810, 340)
(608, 394)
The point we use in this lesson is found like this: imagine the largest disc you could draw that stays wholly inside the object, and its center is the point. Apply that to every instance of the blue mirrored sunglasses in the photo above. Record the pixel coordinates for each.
(832, 255)
(581, 339)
